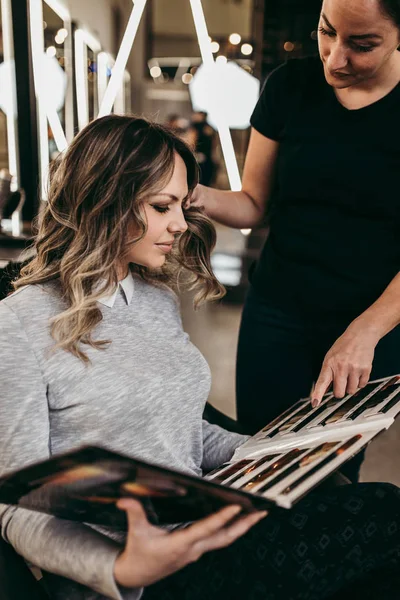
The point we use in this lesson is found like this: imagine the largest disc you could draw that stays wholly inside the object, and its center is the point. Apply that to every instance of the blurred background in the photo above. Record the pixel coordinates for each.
(57, 58)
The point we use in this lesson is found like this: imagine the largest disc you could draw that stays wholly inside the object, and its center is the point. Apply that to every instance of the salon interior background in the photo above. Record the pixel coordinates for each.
(276, 30)
(166, 39)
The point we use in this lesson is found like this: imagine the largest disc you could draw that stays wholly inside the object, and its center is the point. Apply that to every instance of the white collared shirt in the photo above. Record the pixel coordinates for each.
(127, 285)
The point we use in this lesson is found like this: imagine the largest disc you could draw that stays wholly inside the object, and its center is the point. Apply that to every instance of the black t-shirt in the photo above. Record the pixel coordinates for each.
(334, 244)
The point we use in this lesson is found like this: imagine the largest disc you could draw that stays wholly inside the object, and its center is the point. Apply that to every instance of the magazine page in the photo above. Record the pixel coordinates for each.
(285, 477)
(372, 409)
(86, 484)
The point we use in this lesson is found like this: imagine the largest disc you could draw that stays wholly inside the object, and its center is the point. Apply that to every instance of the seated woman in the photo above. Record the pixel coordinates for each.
(93, 352)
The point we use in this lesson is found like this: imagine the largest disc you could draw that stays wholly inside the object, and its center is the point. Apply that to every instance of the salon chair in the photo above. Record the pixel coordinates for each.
(16, 579)
(7, 275)
(216, 417)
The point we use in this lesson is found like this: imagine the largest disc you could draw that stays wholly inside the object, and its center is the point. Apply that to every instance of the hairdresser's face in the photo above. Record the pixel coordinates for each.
(165, 220)
(357, 41)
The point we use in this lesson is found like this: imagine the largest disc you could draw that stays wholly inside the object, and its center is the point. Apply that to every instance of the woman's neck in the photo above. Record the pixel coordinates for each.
(371, 90)
(122, 271)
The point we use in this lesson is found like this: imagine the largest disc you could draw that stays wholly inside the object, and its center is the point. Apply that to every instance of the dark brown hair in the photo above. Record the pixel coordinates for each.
(392, 9)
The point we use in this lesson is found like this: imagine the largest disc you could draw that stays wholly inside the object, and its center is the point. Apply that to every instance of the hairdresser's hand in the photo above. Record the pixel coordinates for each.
(348, 363)
(152, 553)
(199, 198)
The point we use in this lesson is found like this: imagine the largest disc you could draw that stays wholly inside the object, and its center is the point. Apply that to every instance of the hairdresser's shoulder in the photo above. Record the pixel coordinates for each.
(294, 74)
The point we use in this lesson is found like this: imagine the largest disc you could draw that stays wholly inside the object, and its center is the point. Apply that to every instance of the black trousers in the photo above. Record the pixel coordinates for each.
(280, 356)
(342, 543)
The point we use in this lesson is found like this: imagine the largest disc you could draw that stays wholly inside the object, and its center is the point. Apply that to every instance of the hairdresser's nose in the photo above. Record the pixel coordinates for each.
(337, 60)
(177, 223)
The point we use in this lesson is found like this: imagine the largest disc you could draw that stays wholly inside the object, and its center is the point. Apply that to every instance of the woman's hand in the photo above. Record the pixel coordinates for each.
(152, 553)
(348, 363)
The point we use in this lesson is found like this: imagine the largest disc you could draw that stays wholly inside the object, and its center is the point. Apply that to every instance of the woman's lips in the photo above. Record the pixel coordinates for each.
(340, 75)
(167, 247)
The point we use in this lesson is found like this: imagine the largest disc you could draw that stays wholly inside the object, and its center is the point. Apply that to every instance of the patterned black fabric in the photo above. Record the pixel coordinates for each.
(347, 539)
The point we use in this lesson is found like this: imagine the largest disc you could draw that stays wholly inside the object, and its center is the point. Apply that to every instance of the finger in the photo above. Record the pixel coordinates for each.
(208, 526)
(323, 382)
(226, 537)
(353, 382)
(340, 383)
(135, 513)
(364, 378)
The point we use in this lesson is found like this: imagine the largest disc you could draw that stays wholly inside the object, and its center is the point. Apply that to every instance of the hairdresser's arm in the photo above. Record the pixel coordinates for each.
(62, 547)
(244, 209)
(348, 364)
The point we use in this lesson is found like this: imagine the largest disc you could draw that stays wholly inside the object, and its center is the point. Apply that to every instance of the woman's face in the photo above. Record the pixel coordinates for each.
(357, 41)
(165, 221)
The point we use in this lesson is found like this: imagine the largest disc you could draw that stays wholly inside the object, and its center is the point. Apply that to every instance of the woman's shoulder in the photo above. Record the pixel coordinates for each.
(33, 299)
(158, 291)
(157, 287)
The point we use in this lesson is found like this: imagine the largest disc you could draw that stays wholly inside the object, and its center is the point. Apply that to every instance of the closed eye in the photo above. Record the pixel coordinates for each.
(357, 47)
(326, 32)
(160, 208)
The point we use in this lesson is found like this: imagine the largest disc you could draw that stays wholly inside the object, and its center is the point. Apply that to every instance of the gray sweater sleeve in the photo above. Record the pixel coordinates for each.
(219, 445)
(61, 547)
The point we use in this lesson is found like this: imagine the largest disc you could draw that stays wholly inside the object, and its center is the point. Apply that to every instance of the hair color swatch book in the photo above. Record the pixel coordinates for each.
(277, 466)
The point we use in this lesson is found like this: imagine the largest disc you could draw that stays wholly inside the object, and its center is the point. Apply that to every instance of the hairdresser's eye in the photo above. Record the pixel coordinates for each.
(326, 32)
(358, 48)
(160, 208)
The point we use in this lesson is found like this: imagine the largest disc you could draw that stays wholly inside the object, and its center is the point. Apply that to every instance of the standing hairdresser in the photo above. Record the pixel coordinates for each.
(324, 159)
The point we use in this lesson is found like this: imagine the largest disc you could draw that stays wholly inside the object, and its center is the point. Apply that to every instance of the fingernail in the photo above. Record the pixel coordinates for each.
(262, 514)
(314, 403)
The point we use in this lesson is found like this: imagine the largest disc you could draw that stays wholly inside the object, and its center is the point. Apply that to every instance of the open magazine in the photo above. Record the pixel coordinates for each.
(276, 467)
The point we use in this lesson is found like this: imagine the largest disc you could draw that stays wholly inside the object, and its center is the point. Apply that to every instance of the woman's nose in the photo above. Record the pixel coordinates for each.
(178, 223)
(337, 59)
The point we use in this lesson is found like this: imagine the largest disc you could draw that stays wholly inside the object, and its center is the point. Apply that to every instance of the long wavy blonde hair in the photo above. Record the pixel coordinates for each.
(96, 192)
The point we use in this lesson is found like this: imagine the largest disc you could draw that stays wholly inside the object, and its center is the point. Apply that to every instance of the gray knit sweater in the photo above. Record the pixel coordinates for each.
(143, 395)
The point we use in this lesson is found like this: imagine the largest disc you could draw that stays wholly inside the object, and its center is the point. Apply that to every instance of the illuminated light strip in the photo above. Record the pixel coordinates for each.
(174, 61)
(90, 40)
(12, 116)
(208, 59)
(127, 93)
(56, 128)
(44, 109)
(183, 66)
(202, 33)
(37, 43)
(103, 60)
(59, 8)
(80, 75)
(83, 40)
(222, 127)
(117, 75)
(119, 104)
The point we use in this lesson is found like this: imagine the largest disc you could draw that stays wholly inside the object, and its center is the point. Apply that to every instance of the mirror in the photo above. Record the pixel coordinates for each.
(8, 102)
(87, 49)
(56, 46)
(3, 116)
(50, 28)
(122, 104)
